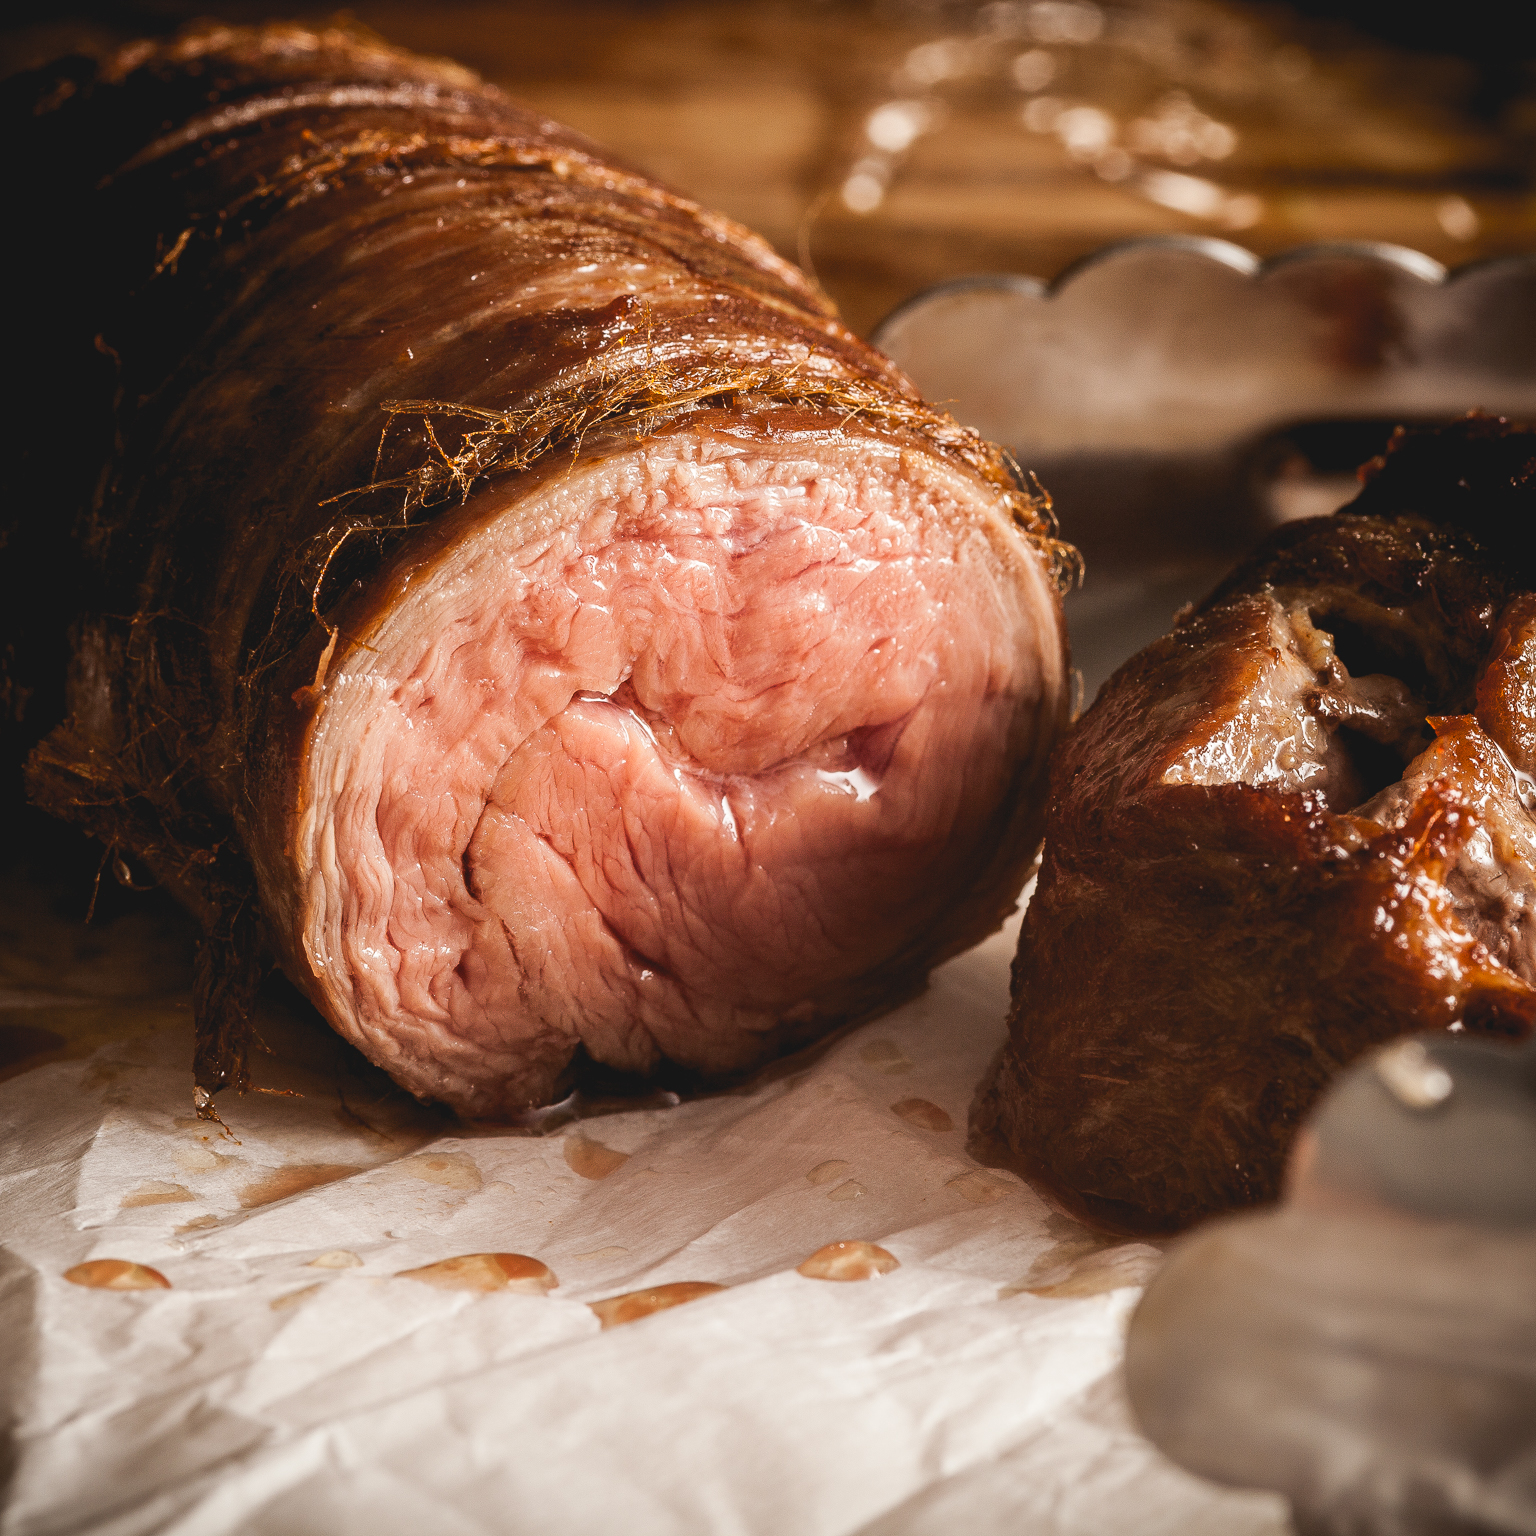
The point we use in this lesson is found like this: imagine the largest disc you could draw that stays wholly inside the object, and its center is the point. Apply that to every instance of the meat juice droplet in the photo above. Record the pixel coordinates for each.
(591, 1159)
(156, 1193)
(854, 1260)
(335, 1258)
(117, 1275)
(978, 1188)
(294, 1298)
(824, 1173)
(924, 1114)
(485, 1272)
(280, 1183)
(615, 1311)
(885, 1056)
(452, 1170)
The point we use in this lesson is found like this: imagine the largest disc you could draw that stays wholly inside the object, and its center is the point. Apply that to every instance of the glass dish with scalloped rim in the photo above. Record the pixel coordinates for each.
(1179, 397)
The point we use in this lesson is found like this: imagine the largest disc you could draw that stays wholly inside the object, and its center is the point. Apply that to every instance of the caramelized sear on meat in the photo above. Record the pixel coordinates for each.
(1296, 826)
(513, 603)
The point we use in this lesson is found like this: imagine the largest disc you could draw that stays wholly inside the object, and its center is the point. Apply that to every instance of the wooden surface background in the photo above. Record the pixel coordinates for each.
(1154, 116)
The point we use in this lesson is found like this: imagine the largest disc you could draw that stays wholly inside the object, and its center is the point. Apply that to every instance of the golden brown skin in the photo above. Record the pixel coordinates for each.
(1292, 828)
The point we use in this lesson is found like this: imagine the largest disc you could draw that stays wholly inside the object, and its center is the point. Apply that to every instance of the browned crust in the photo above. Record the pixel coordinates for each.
(1198, 961)
(256, 228)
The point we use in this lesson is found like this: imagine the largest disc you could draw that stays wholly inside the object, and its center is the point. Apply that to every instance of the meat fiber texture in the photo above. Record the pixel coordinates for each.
(1297, 826)
(514, 602)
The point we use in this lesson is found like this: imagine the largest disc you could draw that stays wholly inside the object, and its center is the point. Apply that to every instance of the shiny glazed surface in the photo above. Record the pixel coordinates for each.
(1296, 826)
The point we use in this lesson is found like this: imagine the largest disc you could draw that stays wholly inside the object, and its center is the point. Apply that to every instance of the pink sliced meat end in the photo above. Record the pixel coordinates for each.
(689, 753)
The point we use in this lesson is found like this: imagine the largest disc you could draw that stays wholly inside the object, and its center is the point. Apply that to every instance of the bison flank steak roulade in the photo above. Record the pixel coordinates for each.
(512, 602)
(1297, 826)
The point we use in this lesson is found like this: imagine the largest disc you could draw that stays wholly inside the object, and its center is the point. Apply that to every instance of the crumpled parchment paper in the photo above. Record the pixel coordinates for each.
(289, 1379)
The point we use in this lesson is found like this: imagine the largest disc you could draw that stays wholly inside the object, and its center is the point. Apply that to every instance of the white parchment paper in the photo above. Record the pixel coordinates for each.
(290, 1380)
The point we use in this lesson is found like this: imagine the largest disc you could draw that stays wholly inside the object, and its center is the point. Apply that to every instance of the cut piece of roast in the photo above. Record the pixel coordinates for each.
(514, 602)
(1298, 825)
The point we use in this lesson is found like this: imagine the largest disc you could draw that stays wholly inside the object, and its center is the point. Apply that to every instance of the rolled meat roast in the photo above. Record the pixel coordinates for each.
(1302, 823)
(514, 603)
